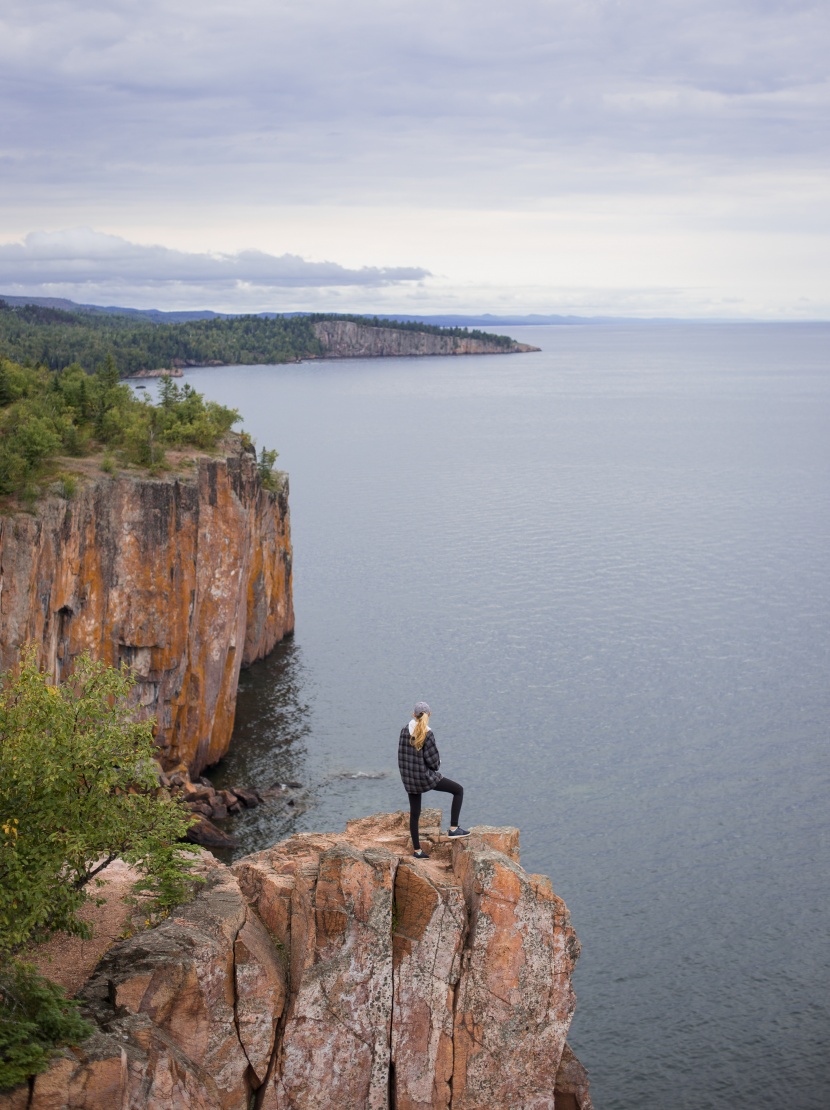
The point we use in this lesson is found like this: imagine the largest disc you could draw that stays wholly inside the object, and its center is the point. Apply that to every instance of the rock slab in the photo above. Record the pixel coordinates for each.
(337, 971)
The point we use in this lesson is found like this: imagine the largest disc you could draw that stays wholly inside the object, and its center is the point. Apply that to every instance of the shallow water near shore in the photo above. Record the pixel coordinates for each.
(606, 568)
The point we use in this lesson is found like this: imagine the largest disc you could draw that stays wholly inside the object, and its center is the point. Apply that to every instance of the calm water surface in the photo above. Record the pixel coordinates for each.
(606, 568)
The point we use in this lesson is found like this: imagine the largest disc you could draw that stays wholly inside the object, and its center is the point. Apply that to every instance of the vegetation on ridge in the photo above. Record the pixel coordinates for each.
(56, 339)
(45, 413)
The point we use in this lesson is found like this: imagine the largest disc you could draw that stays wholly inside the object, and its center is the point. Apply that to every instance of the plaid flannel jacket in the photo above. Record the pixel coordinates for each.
(419, 769)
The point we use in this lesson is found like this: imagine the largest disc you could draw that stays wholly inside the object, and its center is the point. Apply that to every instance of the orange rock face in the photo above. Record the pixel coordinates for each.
(418, 985)
(337, 971)
(184, 580)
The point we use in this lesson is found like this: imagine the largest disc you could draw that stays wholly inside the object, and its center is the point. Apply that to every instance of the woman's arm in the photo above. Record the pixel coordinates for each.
(430, 752)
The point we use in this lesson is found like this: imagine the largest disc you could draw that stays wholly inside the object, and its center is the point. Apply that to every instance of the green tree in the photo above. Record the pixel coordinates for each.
(265, 466)
(44, 413)
(168, 392)
(78, 788)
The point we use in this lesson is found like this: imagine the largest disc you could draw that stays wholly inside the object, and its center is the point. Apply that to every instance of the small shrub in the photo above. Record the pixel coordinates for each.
(68, 486)
(108, 464)
(167, 879)
(265, 466)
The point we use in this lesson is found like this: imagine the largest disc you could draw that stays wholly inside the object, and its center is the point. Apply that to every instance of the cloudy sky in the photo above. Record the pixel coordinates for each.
(635, 157)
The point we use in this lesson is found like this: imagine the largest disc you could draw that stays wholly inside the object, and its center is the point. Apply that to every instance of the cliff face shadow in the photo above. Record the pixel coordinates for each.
(268, 747)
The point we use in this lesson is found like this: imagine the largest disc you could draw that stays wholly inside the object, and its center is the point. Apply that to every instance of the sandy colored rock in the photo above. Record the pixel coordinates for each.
(18, 1099)
(180, 975)
(336, 915)
(92, 1077)
(501, 839)
(183, 579)
(260, 982)
(482, 955)
(429, 930)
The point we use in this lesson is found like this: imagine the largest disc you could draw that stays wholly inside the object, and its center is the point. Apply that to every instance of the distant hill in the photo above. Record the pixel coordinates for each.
(475, 320)
(154, 314)
(42, 331)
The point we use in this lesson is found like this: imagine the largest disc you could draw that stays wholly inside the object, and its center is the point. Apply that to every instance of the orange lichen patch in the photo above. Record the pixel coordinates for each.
(181, 579)
(335, 970)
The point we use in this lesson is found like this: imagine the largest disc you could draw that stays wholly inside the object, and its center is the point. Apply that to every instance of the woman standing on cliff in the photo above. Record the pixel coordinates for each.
(419, 763)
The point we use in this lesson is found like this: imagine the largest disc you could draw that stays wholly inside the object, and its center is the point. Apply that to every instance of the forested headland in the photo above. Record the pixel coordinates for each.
(49, 417)
(50, 337)
(53, 338)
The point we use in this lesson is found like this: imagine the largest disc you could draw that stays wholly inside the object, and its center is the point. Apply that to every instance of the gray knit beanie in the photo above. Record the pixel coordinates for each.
(421, 707)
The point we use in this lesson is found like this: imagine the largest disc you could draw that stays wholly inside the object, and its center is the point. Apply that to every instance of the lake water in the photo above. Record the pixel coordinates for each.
(605, 566)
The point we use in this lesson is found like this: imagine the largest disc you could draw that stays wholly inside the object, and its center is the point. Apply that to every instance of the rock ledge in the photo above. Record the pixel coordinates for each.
(334, 970)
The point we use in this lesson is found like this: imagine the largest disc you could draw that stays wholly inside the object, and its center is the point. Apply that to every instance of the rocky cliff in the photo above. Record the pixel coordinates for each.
(346, 339)
(337, 971)
(181, 578)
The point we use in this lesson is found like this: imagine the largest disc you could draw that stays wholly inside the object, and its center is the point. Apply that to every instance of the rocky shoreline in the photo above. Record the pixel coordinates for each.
(208, 805)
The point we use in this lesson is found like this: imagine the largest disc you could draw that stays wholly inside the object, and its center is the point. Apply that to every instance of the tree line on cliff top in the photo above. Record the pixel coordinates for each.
(55, 338)
(46, 414)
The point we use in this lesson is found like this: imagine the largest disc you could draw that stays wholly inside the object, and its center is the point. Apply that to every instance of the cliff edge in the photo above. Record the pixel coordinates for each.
(182, 578)
(337, 971)
(346, 339)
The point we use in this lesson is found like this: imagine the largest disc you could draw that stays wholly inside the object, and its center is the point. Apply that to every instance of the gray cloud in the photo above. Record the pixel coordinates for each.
(675, 144)
(471, 102)
(82, 259)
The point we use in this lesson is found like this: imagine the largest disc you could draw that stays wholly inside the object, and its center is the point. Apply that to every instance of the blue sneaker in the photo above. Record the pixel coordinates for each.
(420, 854)
(458, 832)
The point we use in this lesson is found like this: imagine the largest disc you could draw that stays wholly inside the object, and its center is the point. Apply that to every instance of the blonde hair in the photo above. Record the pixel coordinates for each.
(420, 733)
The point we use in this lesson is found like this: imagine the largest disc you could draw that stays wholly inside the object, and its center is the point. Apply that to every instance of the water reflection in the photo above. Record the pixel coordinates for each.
(268, 748)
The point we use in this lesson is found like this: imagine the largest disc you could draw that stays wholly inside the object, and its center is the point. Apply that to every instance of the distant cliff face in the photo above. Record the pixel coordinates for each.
(337, 971)
(183, 579)
(345, 339)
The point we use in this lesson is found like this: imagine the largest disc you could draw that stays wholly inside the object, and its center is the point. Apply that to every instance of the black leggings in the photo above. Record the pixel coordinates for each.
(449, 787)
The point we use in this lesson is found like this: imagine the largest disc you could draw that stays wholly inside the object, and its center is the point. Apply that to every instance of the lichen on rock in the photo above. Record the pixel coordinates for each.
(334, 970)
(182, 578)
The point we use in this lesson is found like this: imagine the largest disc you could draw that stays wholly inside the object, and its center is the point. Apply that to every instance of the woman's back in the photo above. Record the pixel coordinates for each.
(419, 769)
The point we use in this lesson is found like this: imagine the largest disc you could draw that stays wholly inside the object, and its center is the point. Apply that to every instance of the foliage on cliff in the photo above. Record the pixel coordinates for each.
(35, 1017)
(44, 413)
(56, 339)
(78, 788)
